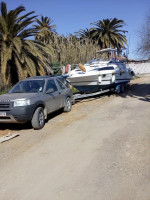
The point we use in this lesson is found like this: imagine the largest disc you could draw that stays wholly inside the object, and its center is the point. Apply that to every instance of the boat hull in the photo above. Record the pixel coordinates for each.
(95, 83)
(96, 88)
(93, 88)
(84, 80)
(95, 80)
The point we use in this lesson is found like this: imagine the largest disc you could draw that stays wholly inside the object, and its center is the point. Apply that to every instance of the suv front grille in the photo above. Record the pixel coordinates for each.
(5, 118)
(4, 106)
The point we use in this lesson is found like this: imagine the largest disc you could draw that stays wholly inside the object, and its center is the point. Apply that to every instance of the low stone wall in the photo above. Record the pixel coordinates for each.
(140, 68)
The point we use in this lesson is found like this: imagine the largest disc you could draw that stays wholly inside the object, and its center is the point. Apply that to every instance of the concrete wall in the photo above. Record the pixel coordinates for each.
(140, 68)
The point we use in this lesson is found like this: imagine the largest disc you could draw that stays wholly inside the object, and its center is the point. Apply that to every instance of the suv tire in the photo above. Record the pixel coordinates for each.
(68, 104)
(38, 119)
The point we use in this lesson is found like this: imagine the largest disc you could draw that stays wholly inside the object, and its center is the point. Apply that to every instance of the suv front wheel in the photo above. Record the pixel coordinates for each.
(38, 119)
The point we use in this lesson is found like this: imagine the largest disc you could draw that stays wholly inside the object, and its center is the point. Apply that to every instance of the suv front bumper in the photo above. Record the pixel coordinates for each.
(19, 114)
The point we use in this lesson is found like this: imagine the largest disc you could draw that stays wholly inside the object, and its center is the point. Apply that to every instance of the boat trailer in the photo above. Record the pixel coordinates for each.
(118, 89)
(85, 95)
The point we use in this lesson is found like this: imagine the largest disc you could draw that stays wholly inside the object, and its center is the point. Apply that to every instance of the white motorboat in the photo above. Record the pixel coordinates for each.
(98, 74)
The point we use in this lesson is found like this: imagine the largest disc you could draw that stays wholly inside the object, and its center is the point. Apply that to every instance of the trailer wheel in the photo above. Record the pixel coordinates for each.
(122, 88)
(118, 89)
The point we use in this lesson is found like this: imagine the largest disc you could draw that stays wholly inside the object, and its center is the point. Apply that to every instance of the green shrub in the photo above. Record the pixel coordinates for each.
(56, 67)
(4, 89)
(74, 90)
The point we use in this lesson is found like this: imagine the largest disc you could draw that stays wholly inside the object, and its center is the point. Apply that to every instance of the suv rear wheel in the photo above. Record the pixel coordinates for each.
(68, 104)
(38, 119)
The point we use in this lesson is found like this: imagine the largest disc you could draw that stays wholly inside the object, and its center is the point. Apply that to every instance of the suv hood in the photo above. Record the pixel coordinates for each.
(13, 96)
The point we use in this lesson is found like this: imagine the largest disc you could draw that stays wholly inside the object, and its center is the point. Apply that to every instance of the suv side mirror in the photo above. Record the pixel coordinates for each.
(50, 90)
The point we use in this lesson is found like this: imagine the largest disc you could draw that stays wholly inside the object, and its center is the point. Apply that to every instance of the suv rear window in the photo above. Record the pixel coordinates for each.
(61, 85)
(64, 82)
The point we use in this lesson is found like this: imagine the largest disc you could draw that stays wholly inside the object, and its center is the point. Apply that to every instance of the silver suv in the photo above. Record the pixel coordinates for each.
(33, 99)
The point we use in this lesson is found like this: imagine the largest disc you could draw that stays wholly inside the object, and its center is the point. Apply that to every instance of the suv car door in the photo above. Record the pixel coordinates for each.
(52, 96)
(64, 86)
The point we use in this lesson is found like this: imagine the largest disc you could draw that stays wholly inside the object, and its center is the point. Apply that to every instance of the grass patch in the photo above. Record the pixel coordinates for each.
(74, 90)
(3, 92)
(4, 89)
(136, 77)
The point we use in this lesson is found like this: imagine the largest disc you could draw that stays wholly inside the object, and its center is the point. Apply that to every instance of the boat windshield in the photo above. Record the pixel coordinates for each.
(95, 60)
(91, 61)
(103, 68)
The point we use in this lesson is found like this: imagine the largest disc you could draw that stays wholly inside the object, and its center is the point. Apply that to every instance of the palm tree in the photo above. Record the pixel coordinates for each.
(83, 34)
(19, 56)
(45, 30)
(108, 33)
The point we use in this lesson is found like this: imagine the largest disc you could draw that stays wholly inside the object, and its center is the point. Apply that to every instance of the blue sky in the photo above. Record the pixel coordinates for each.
(70, 16)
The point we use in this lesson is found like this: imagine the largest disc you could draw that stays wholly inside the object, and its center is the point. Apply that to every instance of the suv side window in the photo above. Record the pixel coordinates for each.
(51, 85)
(61, 85)
(64, 82)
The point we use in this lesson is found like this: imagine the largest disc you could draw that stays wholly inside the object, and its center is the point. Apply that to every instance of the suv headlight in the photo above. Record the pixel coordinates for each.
(21, 102)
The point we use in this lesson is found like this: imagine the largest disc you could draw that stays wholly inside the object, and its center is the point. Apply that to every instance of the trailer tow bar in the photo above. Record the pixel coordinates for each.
(81, 96)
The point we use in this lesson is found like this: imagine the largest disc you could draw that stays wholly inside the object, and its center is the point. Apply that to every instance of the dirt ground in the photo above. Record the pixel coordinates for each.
(100, 150)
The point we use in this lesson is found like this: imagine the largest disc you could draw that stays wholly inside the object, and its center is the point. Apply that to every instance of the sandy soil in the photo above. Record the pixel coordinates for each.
(100, 150)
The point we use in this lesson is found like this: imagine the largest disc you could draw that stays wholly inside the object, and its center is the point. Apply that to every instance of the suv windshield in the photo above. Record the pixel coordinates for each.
(29, 86)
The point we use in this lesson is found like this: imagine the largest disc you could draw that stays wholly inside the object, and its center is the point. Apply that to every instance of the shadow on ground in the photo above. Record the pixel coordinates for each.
(92, 98)
(139, 91)
(27, 126)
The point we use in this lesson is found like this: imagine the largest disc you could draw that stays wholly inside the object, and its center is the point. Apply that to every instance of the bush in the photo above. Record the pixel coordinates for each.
(56, 68)
(4, 88)
(74, 90)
